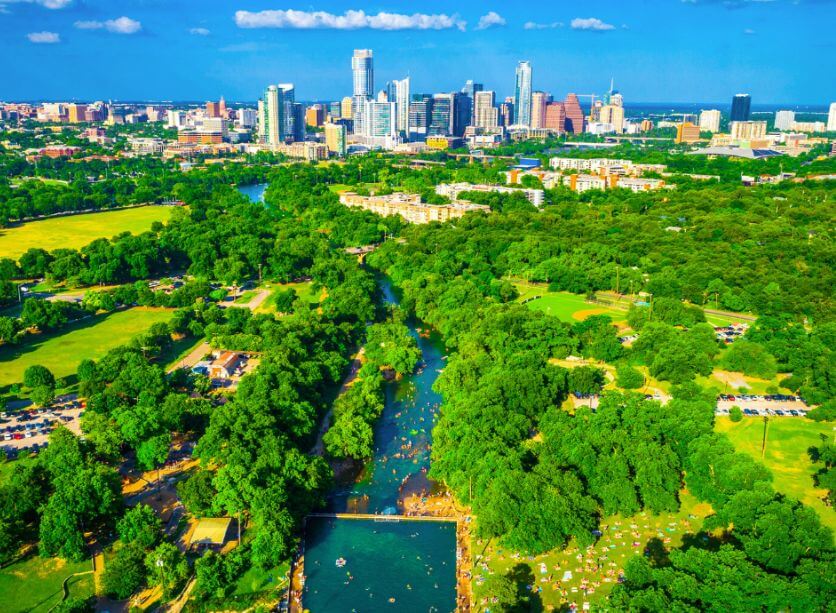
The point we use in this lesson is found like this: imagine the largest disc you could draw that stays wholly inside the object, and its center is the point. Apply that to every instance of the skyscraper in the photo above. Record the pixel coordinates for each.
(574, 114)
(539, 100)
(784, 120)
(506, 112)
(613, 115)
(441, 115)
(831, 118)
(280, 118)
(710, 120)
(400, 96)
(270, 117)
(485, 113)
(740, 107)
(470, 90)
(555, 117)
(335, 139)
(522, 95)
(420, 108)
(362, 68)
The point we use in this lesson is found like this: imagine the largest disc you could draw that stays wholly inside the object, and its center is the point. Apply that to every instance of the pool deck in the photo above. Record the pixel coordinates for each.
(464, 560)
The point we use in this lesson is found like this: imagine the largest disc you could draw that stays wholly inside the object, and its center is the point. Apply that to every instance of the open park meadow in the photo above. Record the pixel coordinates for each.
(76, 231)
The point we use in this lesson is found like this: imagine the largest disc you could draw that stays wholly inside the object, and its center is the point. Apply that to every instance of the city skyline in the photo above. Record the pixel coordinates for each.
(174, 54)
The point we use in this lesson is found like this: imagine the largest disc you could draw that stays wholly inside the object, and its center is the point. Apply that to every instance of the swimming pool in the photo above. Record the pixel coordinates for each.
(390, 565)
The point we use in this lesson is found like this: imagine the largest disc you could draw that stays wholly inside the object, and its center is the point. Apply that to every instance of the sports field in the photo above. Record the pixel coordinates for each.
(88, 339)
(787, 441)
(76, 231)
(33, 585)
(566, 306)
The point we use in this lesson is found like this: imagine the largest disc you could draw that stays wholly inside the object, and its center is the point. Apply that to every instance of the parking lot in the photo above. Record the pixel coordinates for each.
(29, 428)
(771, 404)
(752, 406)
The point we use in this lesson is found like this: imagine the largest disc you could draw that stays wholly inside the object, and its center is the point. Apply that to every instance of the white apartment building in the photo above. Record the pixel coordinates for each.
(748, 130)
(452, 191)
(710, 120)
(784, 120)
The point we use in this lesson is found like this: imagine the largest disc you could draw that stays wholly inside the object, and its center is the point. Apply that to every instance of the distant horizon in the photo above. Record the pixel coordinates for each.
(764, 107)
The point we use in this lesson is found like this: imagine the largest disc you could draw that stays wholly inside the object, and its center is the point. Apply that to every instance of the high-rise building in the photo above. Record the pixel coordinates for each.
(485, 113)
(335, 138)
(506, 112)
(213, 109)
(420, 109)
(315, 115)
(379, 121)
(522, 95)
(740, 107)
(748, 130)
(246, 118)
(646, 125)
(539, 100)
(612, 115)
(345, 108)
(555, 117)
(400, 96)
(784, 120)
(686, 132)
(271, 117)
(280, 118)
(831, 118)
(469, 91)
(441, 115)
(335, 110)
(710, 120)
(362, 68)
(574, 114)
(176, 119)
(77, 113)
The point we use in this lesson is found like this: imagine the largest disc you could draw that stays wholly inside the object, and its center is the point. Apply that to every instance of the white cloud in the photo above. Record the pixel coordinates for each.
(533, 25)
(748, 31)
(199, 31)
(591, 23)
(350, 20)
(121, 25)
(44, 37)
(50, 4)
(491, 19)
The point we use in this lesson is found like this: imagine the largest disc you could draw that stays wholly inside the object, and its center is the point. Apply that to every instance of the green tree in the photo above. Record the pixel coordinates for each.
(140, 525)
(168, 568)
(125, 573)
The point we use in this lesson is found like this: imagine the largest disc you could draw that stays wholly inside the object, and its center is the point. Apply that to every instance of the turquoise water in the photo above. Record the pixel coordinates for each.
(254, 192)
(402, 435)
(412, 562)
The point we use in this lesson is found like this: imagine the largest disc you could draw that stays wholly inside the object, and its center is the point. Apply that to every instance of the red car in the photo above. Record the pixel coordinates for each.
(18, 436)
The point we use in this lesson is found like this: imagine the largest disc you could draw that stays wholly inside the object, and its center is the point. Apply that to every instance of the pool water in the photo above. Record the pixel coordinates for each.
(254, 192)
(390, 565)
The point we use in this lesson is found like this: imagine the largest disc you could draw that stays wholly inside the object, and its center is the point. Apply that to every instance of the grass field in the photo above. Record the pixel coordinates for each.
(304, 291)
(33, 585)
(88, 339)
(75, 231)
(599, 565)
(567, 307)
(787, 441)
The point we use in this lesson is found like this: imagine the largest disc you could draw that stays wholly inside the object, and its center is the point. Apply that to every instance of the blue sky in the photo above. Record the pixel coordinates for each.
(780, 51)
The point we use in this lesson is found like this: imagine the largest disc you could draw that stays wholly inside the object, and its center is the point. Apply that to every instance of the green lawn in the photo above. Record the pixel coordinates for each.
(787, 441)
(566, 306)
(600, 565)
(246, 296)
(34, 584)
(63, 352)
(304, 291)
(75, 231)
